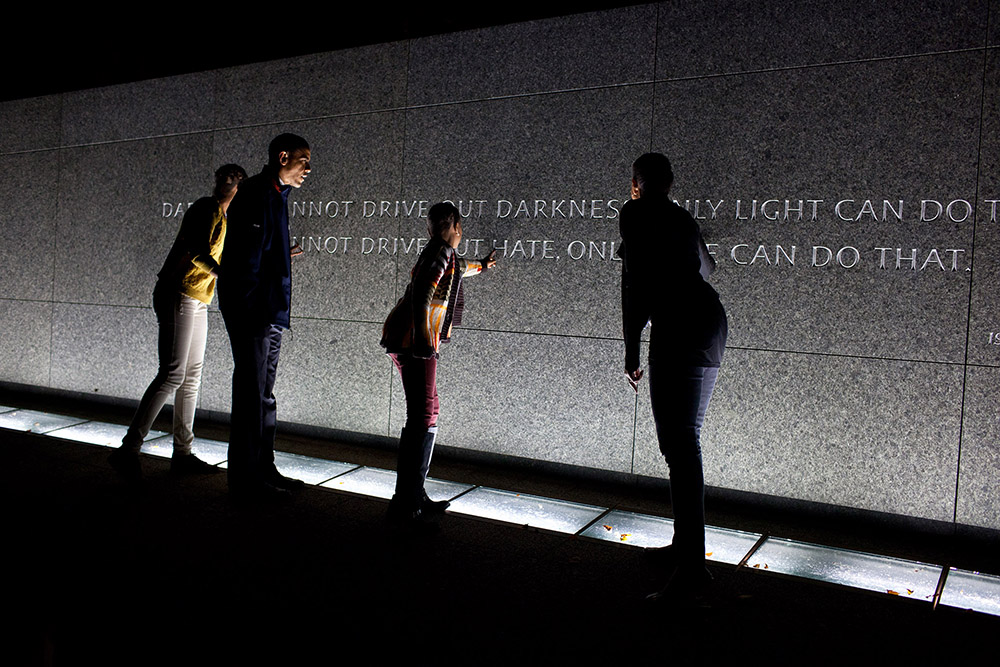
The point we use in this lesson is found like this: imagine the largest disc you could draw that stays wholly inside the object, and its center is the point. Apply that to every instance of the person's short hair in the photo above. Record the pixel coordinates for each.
(652, 172)
(227, 178)
(284, 143)
(441, 218)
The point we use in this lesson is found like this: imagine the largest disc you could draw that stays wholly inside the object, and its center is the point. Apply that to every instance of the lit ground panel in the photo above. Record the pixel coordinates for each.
(99, 433)
(972, 590)
(379, 483)
(522, 509)
(212, 452)
(36, 422)
(4, 408)
(904, 578)
(641, 530)
(310, 470)
(724, 545)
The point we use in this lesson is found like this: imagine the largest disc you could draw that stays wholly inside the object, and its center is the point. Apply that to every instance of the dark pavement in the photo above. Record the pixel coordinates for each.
(99, 573)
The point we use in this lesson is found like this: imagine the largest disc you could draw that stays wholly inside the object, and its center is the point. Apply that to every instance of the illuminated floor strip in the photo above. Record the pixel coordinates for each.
(97, 433)
(639, 530)
(893, 576)
(212, 452)
(972, 590)
(308, 469)
(36, 422)
(522, 509)
(848, 568)
(379, 483)
(722, 545)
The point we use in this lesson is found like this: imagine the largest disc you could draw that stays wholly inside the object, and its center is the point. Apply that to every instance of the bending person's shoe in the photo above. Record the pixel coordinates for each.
(125, 461)
(189, 464)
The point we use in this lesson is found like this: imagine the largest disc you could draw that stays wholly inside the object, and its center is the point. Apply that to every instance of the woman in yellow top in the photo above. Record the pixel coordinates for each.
(183, 291)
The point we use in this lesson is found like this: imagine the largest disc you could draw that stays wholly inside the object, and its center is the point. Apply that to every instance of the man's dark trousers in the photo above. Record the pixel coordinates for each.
(254, 411)
(680, 395)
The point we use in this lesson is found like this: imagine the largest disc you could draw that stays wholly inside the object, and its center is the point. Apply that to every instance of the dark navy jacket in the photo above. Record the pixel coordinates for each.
(663, 282)
(255, 280)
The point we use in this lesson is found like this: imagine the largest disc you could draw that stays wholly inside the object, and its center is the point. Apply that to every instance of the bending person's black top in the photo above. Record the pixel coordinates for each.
(664, 266)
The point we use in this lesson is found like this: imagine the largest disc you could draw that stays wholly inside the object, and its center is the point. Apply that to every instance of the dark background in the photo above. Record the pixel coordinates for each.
(46, 51)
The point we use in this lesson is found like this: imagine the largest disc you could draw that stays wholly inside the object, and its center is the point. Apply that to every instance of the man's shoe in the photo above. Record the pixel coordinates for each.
(273, 494)
(287, 483)
(431, 508)
(189, 464)
(402, 513)
(684, 587)
(661, 557)
(259, 494)
(126, 463)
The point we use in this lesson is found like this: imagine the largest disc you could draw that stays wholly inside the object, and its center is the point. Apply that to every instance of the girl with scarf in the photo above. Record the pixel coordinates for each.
(412, 335)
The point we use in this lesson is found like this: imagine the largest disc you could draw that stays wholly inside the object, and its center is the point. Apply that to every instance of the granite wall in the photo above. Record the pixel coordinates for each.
(841, 158)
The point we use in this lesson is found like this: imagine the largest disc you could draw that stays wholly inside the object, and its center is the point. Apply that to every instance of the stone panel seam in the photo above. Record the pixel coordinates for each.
(214, 130)
(312, 318)
(538, 93)
(540, 333)
(20, 300)
(654, 80)
(831, 63)
(849, 356)
(557, 335)
(54, 246)
(217, 76)
(635, 428)
(989, 22)
(476, 329)
(310, 119)
(401, 187)
(125, 140)
(213, 307)
(975, 223)
(980, 365)
(511, 96)
(31, 151)
(972, 279)
(99, 305)
(961, 436)
(660, 7)
(652, 104)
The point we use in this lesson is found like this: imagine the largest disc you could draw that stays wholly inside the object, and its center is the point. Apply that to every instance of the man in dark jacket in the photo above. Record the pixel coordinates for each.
(255, 292)
(664, 270)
